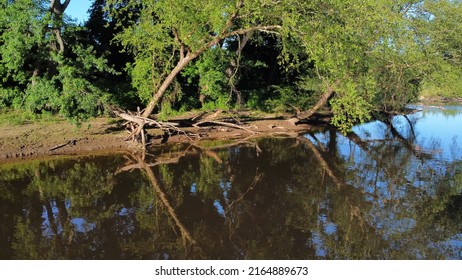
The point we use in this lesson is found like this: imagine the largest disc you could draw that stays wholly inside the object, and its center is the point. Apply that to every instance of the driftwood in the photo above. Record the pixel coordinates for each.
(227, 124)
(136, 124)
(146, 121)
(56, 147)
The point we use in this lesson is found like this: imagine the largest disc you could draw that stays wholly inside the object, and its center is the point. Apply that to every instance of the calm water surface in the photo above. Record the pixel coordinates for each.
(388, 190)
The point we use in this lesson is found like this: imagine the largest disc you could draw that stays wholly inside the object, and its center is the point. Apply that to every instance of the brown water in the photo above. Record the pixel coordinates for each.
(385, 191)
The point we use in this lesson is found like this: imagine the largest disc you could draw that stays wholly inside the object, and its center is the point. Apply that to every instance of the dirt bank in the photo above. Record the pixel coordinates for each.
(37, 139)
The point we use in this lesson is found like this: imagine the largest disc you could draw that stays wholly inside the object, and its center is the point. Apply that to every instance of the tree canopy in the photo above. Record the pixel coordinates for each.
(45, 66)
(356, 57)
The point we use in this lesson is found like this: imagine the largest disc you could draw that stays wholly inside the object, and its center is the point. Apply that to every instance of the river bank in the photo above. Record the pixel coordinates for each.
(99, 135)
(393, 188)
(31, 139)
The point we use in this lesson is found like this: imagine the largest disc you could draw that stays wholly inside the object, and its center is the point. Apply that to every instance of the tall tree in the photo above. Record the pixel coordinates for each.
(45, 66)
(348, 42)
(438, 30)
(171, 34)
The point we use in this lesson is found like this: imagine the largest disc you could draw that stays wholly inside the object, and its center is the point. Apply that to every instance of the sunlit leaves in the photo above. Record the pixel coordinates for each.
(369, 49)
(380, 55)
(209, 71)
(21, 29)
(37, 74)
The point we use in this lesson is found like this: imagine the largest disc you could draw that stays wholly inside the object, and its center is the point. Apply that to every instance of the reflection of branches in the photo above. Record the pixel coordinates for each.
(141, 164)
(163, 197)
(321, 147)
(323, 162)
(235, 203)
(60, 227)
(249, 189)
(387, 162)
(250, 141)
(358, 141)
(51, 219)
(411, 125)
(233, 220)
(350, 207)
(415, 149)
(209, 153)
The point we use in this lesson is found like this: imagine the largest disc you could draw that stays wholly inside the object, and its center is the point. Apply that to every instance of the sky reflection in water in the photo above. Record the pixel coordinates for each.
(385, 191)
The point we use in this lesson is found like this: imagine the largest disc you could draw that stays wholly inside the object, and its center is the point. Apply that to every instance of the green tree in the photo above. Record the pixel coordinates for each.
(100, 31)
(438, 29)
(352, 46)
(45, 66)
(171, 34)
(359, 58)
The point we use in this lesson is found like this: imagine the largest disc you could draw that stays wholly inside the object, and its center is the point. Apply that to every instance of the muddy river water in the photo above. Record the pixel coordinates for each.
(387, 190)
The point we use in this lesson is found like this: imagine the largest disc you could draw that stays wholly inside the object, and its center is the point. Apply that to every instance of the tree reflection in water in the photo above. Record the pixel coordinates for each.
(318, 196)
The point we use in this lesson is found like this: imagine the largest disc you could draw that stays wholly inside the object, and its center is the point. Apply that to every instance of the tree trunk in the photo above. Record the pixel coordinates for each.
(57, 10)
(36, 73)
(307, 114)
(185, 58)
(231, 71)
(157, 96)
(167, 82)
(59, 39)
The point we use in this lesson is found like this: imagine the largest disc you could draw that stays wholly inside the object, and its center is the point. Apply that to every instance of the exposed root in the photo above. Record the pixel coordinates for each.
(136, 125)
(192, 128)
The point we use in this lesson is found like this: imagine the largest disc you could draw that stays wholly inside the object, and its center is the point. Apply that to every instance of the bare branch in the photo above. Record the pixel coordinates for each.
(182, 44)
(261, 28)
(65, 4)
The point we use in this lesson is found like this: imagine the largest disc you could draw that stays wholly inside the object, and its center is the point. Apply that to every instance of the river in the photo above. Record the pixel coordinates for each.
(387, 190)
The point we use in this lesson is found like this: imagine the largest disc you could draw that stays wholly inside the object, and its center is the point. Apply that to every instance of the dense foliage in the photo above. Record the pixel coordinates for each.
(357, 57)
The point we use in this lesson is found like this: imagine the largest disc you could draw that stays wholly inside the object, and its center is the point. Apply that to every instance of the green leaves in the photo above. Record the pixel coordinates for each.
(38, 74)
(21, 30)
(210, 74)
(441, 41)
(380, 55)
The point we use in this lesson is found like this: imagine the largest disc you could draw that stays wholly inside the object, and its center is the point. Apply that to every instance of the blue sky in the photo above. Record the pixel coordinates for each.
(77, 9)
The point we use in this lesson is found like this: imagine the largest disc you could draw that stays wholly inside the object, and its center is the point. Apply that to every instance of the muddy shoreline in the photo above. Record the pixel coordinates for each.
(107, 135)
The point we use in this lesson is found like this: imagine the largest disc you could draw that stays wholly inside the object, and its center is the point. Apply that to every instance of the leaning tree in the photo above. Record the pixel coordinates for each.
(364, 52)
